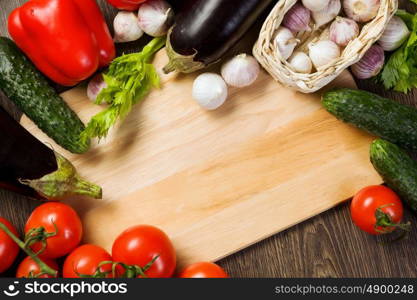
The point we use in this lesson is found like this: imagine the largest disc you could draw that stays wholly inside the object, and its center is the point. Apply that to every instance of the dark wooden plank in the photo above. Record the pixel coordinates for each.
(328, 245)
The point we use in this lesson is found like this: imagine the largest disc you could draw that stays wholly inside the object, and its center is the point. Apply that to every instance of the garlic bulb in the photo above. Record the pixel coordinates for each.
(361, 10)
(327, 14)
(285, 42)
(323, 53)
(301, 63)
(155, 17)
(315, 5)
(395, 34)
(95, 86)
(210, 91)
(371, 63)
(343, 30)
(126, 27)
(240, 71)
(297, 18)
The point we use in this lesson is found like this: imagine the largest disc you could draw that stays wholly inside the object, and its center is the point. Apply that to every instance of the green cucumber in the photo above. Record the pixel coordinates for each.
(22, 83)
(398, 170)
(379, 116)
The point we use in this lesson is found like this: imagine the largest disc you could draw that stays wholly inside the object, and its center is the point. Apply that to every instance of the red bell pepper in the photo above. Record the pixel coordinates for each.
(126, 4)
(68, 40)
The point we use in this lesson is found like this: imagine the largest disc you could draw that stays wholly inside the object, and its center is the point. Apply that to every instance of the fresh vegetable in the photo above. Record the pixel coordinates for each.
(316, 5)
(155, 17)
(400, 71)
(285, 42)
(142, 245)
(95, 86)
(86, 261)
(377, 210)
(129, 5)
(203, 270)
(326, 15)
(395, 34)
(343, 30)
(240, 71)
(53, 230)
(297, 18)
(206, 29)
(26, 87)
(210, 91)
(44, 268)
(126, 27)
(67, 40)
(361, 10)
(28, 268)
(379, 116)
(397, 169)
(370, 64)
(8, 248)
(129, 79)
(301, 62)
(323, 52)
(29, 167)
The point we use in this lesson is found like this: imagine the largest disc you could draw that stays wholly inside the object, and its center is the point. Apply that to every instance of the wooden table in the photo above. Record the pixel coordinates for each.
(328, 245)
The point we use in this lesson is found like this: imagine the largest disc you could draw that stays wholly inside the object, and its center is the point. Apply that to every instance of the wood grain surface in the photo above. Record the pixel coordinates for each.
(326, 246)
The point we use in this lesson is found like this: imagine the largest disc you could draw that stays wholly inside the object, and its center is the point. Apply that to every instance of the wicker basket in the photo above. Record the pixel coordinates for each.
(266, 52)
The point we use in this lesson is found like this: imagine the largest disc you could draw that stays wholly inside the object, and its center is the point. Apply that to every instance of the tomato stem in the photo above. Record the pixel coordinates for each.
(384, 221)
(39, 235)
(45, 269)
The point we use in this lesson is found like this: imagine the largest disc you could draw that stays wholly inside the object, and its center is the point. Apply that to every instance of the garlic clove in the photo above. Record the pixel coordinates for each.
(301, 63)
(361, 10)
(331, 11)
(155, 17)
(285, 42)
(395, 34)
(297, 19)
(371, 63)
(240, 71)
(126, 27)
(210, 91)
(323, 52)
(315, 5)
(343, 30)
(95, 86)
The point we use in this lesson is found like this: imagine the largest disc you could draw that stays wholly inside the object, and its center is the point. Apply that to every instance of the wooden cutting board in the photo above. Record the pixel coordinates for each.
(218, 181)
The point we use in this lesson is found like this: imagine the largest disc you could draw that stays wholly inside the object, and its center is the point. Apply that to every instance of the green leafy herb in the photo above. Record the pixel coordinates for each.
(129, 79)
(400, 71)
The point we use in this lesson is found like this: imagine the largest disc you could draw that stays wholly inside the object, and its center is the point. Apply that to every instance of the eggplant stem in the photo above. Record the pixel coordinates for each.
(65, 181)
(45, 269)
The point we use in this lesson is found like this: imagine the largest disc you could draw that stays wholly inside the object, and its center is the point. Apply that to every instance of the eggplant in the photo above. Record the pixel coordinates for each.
(32, 169)
(205, 30)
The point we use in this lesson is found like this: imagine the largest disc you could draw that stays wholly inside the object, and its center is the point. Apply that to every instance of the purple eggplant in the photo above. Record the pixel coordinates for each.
(205, 30)
(32, 169)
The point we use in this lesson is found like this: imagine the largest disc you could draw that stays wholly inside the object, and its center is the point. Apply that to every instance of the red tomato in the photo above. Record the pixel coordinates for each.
(203, 270)
(28, 265)
(139, 245)
(68, 224)
(126, 4)
(85, 260)
(368, 200)
(8, 248)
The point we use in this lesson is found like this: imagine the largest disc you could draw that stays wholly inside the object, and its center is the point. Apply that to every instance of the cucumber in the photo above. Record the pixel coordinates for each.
(398, 170)
(379, 116)
(22, 83)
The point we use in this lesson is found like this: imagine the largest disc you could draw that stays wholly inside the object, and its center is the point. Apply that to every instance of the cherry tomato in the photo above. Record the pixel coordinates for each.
(28, 265)
(126, 4)
(368, 201)
(203, 270)
(139, 245)
(69, 228)
(85, 260)
(8, 248)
